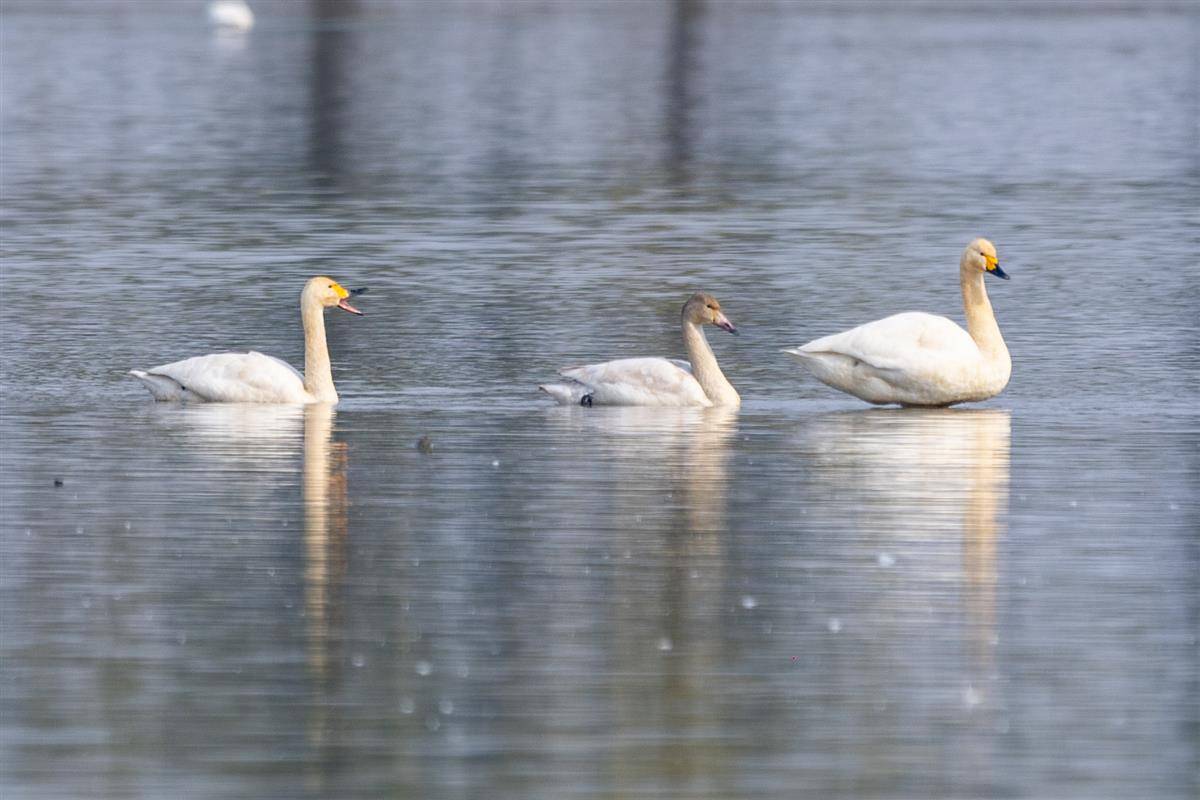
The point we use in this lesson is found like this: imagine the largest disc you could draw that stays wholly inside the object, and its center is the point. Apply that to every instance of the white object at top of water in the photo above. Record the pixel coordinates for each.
(231, 14)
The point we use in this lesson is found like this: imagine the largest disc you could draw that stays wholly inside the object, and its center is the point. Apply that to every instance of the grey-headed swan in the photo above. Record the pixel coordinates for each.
(657, 381)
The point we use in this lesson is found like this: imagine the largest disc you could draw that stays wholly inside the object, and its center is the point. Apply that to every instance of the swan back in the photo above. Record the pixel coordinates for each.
(234, 378)
(901, 341)
(639, 382)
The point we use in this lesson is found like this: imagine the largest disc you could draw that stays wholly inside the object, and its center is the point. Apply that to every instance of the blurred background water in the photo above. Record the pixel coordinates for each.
(807, 597)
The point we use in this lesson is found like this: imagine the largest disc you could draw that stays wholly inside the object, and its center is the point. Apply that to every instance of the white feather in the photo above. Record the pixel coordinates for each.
(228, 378)
(911, 358)
(161, 387)
(632, 382)
(567, 394)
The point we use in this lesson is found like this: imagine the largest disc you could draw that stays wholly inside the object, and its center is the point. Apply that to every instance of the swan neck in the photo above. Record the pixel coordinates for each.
(318, 373)
(981, 320)
(705, 369)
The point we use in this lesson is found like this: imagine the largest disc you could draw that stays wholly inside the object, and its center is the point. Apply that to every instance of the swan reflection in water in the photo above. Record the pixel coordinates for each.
(325, 527)
(325, 520)
(235, 434)
(662, 468)
(665, 501)
(931, 491)
(266, 437)
(258, 439)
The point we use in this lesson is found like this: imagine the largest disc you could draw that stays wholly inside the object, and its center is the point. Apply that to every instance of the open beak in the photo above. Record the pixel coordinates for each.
(345, 306)
(724, 324)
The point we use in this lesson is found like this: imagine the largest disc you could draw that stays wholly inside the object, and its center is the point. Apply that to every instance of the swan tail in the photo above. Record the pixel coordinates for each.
(162, 387)
(798, 353)
(563, 393)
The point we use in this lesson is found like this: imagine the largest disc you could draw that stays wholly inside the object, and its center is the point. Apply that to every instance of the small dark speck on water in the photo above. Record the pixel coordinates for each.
(425, 444)
(58, 484)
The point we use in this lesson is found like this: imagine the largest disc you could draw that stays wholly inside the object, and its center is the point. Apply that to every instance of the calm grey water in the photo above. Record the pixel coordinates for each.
(807, 597)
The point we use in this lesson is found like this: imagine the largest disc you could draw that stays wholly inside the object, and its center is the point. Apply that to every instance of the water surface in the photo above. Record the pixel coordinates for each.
(804, 596)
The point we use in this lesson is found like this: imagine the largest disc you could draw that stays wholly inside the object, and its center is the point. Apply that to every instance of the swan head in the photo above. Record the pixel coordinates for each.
(703, 309)
(981, 255)
(328, 293)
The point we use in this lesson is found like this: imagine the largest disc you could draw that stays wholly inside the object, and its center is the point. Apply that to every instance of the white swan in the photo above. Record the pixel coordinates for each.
(231, 14)
(657, 381)
(256, 378)
(917, 359)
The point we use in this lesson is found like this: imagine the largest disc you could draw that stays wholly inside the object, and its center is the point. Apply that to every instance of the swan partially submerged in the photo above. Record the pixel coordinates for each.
(256, 378)
(917, 359)
(657, 381)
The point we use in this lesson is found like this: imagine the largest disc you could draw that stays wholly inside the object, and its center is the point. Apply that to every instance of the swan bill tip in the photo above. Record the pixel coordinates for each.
(344, 306)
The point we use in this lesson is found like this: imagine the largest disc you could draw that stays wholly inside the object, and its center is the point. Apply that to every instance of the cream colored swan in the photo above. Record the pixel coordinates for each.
(256, 378)
(657, 381)
(917, 359)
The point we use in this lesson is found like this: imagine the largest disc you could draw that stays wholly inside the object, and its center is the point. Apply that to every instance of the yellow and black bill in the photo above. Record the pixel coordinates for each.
(993, 267)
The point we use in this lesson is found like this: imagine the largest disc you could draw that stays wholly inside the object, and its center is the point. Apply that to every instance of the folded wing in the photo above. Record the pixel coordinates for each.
(899, 342)
(639, 382)
(236, 378)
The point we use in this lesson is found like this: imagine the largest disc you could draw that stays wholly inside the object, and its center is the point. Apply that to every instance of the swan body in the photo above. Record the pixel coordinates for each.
(234, 14)
(227, 377)
(254, 377)
(656, 381)
(631, 382)
(918, 359)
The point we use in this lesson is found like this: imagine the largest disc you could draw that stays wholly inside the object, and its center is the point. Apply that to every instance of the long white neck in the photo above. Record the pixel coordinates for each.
(981, 321)
(705, 369)
(318, 374)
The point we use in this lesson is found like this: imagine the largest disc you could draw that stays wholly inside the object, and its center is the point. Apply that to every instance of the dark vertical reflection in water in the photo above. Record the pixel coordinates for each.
(329, 87)
(683, 64)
